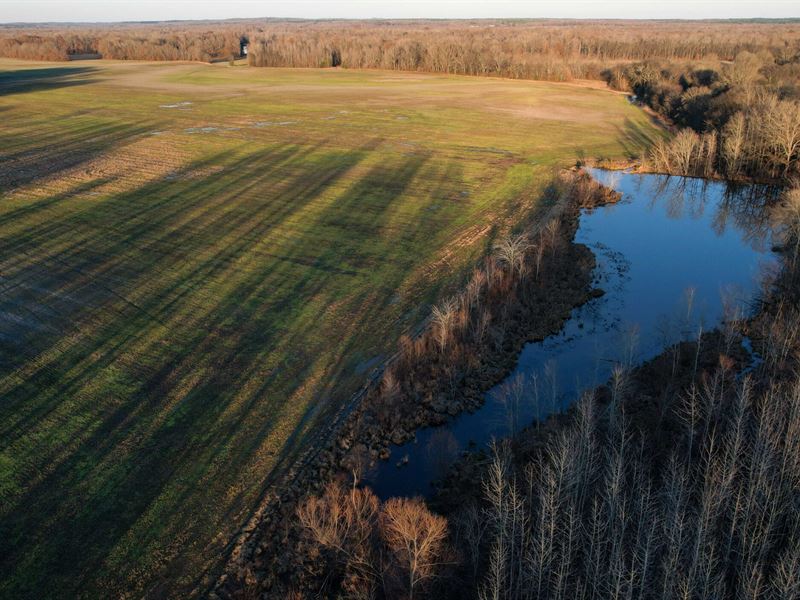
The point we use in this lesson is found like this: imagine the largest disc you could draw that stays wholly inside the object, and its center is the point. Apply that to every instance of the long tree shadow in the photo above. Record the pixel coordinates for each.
(206, 437)
(365, 213)
(179, 321)
(206, 228)
(635, 138)
(379, 246)
(53, 150)
(22, 81)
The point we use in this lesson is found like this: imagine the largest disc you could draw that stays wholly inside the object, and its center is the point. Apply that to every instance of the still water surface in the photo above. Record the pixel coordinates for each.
(673, 256)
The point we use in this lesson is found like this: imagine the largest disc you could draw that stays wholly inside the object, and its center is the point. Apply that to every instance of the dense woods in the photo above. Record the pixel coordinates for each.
(599, 512)
(740, 119)
(545, 49)
(187, 41)
(550, 50)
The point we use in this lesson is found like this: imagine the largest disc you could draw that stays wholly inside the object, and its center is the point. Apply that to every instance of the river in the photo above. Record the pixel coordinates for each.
(674, 256)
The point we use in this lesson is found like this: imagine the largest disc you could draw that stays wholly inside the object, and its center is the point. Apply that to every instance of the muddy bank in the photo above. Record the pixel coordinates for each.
(523, 292)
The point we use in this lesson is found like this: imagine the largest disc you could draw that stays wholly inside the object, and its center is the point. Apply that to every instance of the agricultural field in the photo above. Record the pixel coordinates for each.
(199, 264)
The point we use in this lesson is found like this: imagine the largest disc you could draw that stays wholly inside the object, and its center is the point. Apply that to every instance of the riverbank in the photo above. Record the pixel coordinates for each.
(677, 477)
(645, 167)
(658, 293)
(523, 292)
(641, 393)
(680, 474)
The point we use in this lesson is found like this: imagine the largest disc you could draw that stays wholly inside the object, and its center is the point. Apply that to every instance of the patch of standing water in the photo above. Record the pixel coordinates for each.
(273, 123)
(176, 105)
(673, 256)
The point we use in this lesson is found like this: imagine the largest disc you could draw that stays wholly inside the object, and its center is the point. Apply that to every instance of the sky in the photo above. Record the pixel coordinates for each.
(138, 10)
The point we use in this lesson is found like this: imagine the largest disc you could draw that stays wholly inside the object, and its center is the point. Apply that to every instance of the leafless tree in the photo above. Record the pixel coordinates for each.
(511, 251)
(416, 540)
(782, 129)
(787, 220)
(443, 317)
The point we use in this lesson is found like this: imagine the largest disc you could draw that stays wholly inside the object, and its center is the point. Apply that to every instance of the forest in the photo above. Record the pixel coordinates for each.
(530, 49)
(163, 42)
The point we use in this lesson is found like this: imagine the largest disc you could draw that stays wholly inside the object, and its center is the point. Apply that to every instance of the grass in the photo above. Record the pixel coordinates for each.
(188, 290)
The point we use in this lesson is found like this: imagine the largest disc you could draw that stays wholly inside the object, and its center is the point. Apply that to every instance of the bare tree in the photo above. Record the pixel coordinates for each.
(343, 522)
(416, 539)
(782, 129)
(443, 318)
(787, 219)
(511, 252)
(733, 144)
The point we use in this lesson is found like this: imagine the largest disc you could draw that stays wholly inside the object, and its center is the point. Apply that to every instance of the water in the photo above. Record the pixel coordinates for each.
(673, 256)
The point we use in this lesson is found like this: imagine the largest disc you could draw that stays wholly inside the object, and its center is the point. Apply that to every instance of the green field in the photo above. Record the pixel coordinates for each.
(198, 263)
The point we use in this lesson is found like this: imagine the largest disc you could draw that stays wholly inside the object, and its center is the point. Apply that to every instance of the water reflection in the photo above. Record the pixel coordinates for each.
(675, 257)
(737, 206)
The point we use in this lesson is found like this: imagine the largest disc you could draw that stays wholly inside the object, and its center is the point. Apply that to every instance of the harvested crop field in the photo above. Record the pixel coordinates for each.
(199, 264)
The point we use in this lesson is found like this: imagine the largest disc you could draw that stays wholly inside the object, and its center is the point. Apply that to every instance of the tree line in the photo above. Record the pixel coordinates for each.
(164, 42)
(518, 49)
(542, 49)
(736, 120)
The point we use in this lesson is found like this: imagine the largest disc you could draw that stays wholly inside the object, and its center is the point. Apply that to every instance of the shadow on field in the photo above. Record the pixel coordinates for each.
(634, 138)
(48, 150)
(164, 334)
(36, 80)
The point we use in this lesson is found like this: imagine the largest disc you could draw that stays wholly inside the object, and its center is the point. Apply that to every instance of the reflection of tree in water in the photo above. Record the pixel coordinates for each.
(682, 196)
(523, 399)
(743, 207)
(748, 206)
(442, 450)
(510, 397)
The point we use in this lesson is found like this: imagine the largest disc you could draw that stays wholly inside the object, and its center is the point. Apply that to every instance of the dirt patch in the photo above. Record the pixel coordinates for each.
(465, 240)
(123, 169)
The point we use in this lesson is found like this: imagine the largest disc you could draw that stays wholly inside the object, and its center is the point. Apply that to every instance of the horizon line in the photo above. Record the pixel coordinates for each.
(408, 19)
